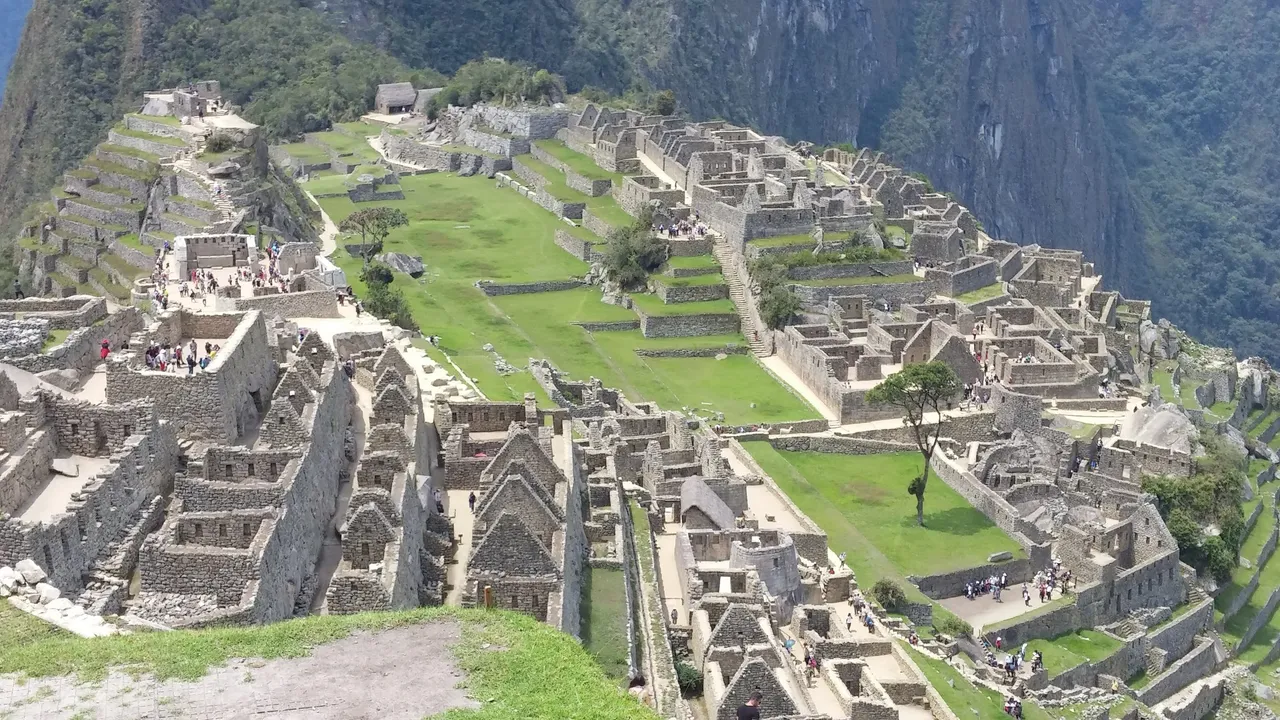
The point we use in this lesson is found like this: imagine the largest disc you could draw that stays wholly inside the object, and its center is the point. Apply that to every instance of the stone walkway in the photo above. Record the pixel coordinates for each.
(397, 674)
(793, 381)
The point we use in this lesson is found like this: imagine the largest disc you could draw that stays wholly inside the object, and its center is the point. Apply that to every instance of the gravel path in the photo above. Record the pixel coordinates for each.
(390, 675)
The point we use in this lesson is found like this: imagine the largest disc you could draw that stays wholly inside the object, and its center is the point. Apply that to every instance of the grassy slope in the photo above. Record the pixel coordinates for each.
(1071, 649)
(568, 684)
(604, 620)
(466, 230)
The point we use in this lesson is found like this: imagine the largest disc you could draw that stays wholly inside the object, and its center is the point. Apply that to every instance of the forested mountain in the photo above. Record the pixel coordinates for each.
(12, 15)
(1143, 133)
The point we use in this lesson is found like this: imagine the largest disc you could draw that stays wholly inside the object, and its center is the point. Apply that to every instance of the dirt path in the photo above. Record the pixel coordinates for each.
(398, 673)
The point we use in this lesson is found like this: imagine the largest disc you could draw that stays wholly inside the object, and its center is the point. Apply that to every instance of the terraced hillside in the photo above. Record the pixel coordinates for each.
(1246, 607)
(147, 183)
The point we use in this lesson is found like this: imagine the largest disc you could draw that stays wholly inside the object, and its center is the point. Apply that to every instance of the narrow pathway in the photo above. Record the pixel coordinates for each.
(662, 175)
(788, 376)
(459, 513)
(331, 552)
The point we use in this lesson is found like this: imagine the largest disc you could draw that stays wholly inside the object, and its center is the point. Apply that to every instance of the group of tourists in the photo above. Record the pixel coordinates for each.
(694, 228)
(173, 358)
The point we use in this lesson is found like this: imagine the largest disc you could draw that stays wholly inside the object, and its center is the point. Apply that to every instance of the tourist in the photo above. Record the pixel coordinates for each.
(751, 709)
(471, 501)
(106, 349)
(1026, 595)
(17, 290)
(439, 498)
(999, 642)
(359, 308)
(1037, 661)
(848, 622)
(191, 364)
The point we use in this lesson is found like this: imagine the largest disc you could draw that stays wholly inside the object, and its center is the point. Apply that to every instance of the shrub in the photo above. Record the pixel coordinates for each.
(954, 626)
(376, 274)
(690, 679)
(219, 143)
(889, 594)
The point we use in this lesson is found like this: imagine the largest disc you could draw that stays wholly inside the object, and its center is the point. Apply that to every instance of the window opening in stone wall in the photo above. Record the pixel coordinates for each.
(248, 529)
(128, 430)
(250, 470)
(515, 601)
(364, 549)
(66, 546)
(199, 530)
(272, 468)
(48, 558)
(231, 470)
(222, 530)
(75, 428)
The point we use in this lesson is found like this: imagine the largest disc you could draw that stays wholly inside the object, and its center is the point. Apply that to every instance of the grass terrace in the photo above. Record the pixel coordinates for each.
(361, 129)
(965, 699)
(1249, 550)
(344, 144)
(495, 653)
(1074, 648)
(863, 280)
(984, 293)
(169, 120)
(97, 163)
(131, 152)
(160, 139)
(122, 266)
(470, 230)
(862, 503)
(652, 305)
(1263, 425)
(897, 231)
(576, 161)
(308, 153)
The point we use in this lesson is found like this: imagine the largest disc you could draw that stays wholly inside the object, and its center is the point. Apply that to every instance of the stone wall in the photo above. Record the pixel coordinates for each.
(1196, 664)
(81, 350)
(221, 403)
(582, 249)
(493, 289)
(535, 123)
(850, 270)
(947, 585)
(305, 304)
(575, 180)
(1202, 702)
(894, 293)
(690, 293)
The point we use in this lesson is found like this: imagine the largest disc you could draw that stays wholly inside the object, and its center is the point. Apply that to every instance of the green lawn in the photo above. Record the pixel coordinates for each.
(604, 620)
(862, 499)
(1268, 579)
(603, 207)
(169, 120)
(345, 144)
(466, 229)
(496, 652)
(1074, 648)
(360, 128)
(653, 305)
(864, 280)
(982, 293)
(899, 232)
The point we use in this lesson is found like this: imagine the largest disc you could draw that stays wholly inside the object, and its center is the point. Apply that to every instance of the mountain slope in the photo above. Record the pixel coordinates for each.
(1141, 133)
(12, 14)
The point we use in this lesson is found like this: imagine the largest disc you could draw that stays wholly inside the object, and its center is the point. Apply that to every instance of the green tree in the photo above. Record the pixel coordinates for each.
(373, 225)
(778, 305)
(918, 390)
(664, 103)
(633, 252)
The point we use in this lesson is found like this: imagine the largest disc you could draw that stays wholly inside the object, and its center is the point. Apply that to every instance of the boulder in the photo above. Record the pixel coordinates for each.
(357, 341)
(30, 571)
(407, 264)
(1002, 556)
(61, 604)
(10, 577)
(68, 379)
(48, 593)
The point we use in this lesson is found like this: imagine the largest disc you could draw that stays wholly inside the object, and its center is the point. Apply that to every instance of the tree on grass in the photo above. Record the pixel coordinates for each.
(633, 252)
(917, 390)
(889, 594)
(373, 225)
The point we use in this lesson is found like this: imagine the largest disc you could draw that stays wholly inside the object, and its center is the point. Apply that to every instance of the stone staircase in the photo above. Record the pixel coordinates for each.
(740, 293)
(1195, 594)
(1128, 628)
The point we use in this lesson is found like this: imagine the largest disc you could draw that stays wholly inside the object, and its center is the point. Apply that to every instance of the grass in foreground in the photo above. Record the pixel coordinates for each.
(865, 496)
(567, 683)
(54, 339)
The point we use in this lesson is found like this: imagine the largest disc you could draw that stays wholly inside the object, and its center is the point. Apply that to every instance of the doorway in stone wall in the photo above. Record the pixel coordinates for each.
(99, 437)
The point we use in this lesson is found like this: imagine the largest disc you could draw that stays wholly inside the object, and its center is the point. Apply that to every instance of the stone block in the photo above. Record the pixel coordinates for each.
(30, 571)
